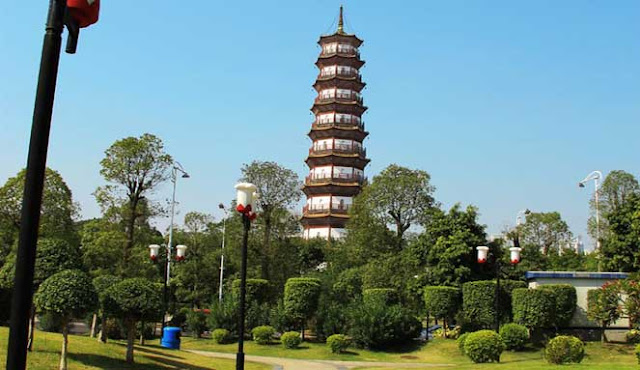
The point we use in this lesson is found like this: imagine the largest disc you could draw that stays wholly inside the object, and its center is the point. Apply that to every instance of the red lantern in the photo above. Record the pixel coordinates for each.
(85, 12)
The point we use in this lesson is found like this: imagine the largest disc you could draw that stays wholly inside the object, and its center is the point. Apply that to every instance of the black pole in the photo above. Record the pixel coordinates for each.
(33, 187)
(497, 295)
(243, 282)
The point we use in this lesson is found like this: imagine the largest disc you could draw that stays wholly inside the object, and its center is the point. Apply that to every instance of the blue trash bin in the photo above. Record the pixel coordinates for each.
(171, 338)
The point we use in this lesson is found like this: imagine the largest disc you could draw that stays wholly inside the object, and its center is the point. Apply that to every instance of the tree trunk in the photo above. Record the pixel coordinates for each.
(603, 338)
(131, 223)
(94, 322)
(65, 343)
(131, 336)
(32, 324)
(444, 328)
(142, 334)
(302, 330)
(103, 333)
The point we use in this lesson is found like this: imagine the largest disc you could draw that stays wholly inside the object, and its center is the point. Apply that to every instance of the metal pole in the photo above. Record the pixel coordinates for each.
(224, 228)
(497, 300)
(599, 254)
(34, 183)
(174, 177)
(243, 282)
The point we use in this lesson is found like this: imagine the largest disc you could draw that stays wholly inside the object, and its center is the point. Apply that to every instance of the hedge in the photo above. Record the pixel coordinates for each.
(441, 302)
(483, 346)
(534, 308)
(478, 302)
(565, 302)
(515, 336)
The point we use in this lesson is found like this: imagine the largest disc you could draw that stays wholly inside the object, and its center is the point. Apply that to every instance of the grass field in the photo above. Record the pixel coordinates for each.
(88, 353)
(598, 356)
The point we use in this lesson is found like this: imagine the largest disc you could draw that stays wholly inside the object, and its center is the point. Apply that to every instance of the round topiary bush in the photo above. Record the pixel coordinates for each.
(514, 336)
(564, 349)
(338, 343)
(291, 339)
(484, 346)
(263, 334)
(461, 339)
(221, 336)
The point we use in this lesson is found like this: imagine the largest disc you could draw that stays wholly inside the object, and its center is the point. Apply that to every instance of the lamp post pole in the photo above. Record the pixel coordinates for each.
(224, 232)
(246, 195)
(595, 176)
(483, 257)
(177, 167)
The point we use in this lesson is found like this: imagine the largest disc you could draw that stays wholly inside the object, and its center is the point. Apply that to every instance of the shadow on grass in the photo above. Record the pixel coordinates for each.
(403, 348)
(104, 362)
(146, 349)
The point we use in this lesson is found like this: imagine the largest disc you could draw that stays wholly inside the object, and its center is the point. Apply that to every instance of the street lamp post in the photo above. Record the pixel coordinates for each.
(596, 176)
(483, 257)
(224, 231)
(246, 195)
(153, 253)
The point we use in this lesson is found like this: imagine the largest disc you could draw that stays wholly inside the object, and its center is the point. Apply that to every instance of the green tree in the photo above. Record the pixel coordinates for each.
(400, 196)
(133, 300)
(102, 284)
(301, 299)
(278, 188)
(603, 305)
(446, 248)
(134, 167)
(56, 215)
(102, 244)
(545, 230)
(616, 189)
(52, 256)
(442, 302)
(67, 294)
(620, 249)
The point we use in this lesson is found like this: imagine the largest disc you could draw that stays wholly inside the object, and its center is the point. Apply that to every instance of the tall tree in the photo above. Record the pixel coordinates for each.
(616, 189)
(546, 230)
(134, 166)
(620, 248)
(57, 213)
(278, 189)
(400, 196)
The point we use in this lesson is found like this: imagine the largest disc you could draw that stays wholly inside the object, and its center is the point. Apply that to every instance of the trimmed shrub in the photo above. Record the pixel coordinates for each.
(564, 349)
(638, 353)
(376, 325)
(633, 336)
(263, 334)
(478, 303)
(533, 308)
(338, 343)
(514, 336)
(301, 297)
(221, 336)
(565, 302)
(224, 315)
(385, 295)
(461, 339)
(291, 339)
(442, 302)
(483, 346)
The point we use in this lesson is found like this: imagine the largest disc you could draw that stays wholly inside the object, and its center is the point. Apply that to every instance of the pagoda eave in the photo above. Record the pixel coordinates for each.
(335, 59)
(338, 160)
(347, 190)
(351, 83)
(336, 37)
(338, 132)
(339, 107)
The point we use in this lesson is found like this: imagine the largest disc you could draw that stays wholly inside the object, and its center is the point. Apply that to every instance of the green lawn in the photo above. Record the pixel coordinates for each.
(88, 353)
(610, 356)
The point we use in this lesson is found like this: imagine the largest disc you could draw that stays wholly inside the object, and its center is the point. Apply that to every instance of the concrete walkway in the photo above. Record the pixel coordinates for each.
(294, 364)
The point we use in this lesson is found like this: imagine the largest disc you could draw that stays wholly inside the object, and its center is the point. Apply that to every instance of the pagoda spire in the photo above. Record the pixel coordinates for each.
(340, 22)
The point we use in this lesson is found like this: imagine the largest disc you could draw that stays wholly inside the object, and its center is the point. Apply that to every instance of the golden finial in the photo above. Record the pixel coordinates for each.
(340, 22)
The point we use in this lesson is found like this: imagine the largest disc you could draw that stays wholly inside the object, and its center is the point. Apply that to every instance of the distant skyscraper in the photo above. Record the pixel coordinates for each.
(337, 157)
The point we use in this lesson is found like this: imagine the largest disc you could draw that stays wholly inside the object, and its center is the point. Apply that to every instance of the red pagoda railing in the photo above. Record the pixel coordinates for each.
(338, 149)
(337, 208)
(338, 123)
(340, 97)
(338, 178)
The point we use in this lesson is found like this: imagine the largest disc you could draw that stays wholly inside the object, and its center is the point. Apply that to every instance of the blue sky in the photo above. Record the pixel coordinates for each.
(507, 104)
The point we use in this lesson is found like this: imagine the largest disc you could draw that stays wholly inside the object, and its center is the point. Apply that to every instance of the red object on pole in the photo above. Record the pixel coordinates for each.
(85, 12)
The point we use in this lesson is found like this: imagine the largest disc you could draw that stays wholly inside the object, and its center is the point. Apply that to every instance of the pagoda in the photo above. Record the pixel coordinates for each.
(337, 157)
